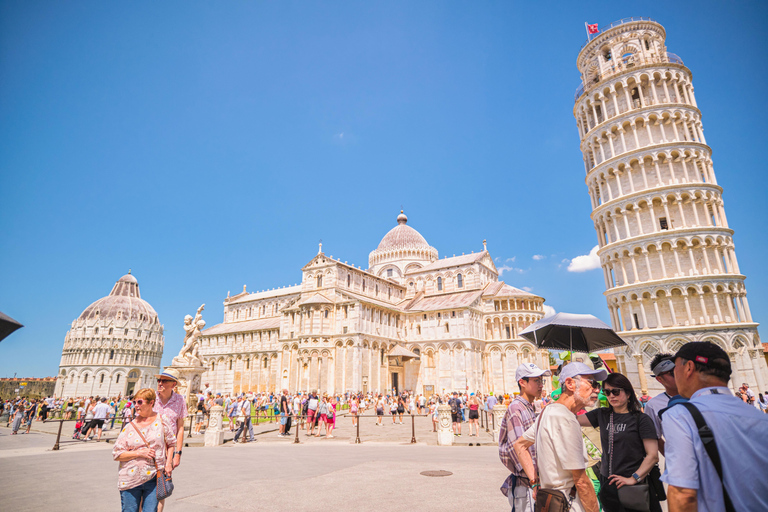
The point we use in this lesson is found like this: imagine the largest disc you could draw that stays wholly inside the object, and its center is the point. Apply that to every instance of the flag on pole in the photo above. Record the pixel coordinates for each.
(592, 29)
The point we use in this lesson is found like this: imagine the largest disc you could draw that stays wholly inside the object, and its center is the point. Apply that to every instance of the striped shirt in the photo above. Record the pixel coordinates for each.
(519, 417)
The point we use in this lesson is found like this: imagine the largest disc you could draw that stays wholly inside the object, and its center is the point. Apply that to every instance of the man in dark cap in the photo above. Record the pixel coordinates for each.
(702, 371)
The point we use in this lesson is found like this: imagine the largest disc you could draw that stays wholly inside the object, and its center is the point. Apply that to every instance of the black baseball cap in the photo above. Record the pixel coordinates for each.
(706, 354)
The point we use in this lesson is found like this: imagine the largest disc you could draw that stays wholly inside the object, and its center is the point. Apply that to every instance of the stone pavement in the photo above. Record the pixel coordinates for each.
(330, 474)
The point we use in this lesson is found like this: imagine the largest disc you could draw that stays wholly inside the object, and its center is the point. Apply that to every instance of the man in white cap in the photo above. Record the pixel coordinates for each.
(519, 417)
(560, 451)
(663, 368)
(171, 405)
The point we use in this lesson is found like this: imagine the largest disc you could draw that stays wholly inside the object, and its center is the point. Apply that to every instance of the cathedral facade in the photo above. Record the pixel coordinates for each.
(410, 321)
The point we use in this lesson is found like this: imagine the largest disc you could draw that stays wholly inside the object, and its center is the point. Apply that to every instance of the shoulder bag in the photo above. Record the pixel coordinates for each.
(708, 440)
(164, 482)
(551, 500)
(635, 497)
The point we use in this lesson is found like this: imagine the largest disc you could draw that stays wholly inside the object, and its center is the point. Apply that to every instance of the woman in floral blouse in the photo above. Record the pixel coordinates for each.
(137, 474)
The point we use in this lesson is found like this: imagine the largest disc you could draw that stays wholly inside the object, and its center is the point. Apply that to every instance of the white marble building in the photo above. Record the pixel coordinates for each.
(343, 327)
(114, 347)
(666, 248)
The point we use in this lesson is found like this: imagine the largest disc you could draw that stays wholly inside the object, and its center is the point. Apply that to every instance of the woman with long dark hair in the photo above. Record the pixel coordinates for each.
(630, 445)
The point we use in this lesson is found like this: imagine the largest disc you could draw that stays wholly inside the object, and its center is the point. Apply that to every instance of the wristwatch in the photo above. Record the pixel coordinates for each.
(636, 477)
(534, 483)
(177, 452)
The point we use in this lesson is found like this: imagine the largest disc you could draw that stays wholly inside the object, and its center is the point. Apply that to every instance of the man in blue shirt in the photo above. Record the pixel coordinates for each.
(702, 371)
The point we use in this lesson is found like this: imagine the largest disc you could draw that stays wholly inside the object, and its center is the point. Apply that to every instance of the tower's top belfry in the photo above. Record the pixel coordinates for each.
(622, 45)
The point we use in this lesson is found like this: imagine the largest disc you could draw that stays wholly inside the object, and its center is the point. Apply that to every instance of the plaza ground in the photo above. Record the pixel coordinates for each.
(271, 474)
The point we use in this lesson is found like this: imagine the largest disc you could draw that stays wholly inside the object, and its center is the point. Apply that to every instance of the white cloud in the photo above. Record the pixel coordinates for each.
(538, 257)
(510, 260)
(586, 262)
(528, 289)
(548, 311)
(507, 268)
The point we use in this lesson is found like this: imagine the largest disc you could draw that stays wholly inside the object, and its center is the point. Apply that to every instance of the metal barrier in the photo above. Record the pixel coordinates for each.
(57, 444)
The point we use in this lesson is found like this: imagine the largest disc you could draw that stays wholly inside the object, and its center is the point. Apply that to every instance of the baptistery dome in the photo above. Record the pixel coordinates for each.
(402, 249)
(114, 347)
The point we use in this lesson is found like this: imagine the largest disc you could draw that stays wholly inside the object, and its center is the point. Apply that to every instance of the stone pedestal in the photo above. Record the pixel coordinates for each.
(214, 434)
(190, 375)
(498, 417)
(444, 430)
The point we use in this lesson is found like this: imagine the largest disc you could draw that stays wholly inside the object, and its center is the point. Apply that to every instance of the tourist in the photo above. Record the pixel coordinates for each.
(322, 414)
(762, 403)
(629, 442)
(702, 372)
(490, 402)
(750, 396)
(127, 412)
(245, 426)
(400, 409)
(393, 409)
(100, 413)
(354, 406)
(330, 415)
(284, 412)
(171, 407)
(200, 414)
(380, 404)
(232, 413)
(69, 409)
(474, 414)
(663, 368)
(559, 446)
(455, 404)
(144, 445)
(18, 414)
(312, 404)
(30, 414)
(518, 418)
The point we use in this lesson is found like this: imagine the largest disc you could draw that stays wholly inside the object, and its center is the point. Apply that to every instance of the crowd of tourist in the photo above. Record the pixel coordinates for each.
(703, 429)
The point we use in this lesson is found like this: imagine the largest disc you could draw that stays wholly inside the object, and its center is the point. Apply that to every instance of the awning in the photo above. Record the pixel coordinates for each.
(400, 351)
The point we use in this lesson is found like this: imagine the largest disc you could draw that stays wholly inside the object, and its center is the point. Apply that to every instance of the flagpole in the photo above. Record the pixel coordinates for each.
(587, 29)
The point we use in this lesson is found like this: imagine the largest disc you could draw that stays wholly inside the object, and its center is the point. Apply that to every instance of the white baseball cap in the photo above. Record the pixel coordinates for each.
(530, 370)
(575, 369)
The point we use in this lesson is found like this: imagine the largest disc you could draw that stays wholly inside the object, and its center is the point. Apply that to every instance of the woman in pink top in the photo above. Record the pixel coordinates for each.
(137, 474)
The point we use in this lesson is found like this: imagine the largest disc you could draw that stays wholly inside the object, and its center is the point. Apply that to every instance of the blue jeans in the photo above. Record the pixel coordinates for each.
(131, 498)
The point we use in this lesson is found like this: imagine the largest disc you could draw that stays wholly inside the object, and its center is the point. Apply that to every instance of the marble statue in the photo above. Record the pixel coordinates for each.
(192, 327)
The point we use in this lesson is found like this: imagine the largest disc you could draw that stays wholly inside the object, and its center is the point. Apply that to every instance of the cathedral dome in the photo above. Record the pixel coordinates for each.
(124, 302)
(400, 248)
(402, 236)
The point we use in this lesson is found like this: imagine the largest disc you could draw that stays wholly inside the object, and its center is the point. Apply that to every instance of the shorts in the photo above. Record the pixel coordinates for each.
(379, 412)
(400, 410)
(283, 419)
(97, 423)
(323, 417)
(456, 418)
(473, 415)
(310, 415)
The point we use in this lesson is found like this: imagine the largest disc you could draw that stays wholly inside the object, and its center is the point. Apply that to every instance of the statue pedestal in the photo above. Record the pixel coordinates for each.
(498, 417)
(214, 434)
(444, 430)
(190, 375)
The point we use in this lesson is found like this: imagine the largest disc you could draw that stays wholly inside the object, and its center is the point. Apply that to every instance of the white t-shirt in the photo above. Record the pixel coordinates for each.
(101, 411)
(560, 449)
(652, 409)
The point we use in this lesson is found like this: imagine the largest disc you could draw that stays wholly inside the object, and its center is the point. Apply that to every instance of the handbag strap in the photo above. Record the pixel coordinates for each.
(154, 461)
(708, 440)
(610, 443)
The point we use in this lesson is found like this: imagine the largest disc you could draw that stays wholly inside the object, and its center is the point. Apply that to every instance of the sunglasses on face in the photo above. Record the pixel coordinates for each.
(163, 381)
(142, 402)
(612, 391)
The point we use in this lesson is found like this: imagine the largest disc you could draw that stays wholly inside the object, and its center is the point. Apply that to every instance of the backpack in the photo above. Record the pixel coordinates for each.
(329, 414)
(454, 406)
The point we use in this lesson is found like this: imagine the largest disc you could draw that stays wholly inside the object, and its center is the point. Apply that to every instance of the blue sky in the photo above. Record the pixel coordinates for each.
(207, 145)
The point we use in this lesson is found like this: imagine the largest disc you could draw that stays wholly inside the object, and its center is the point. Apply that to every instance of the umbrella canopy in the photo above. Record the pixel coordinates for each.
(400, 351)
(580, 333)
(7, 325)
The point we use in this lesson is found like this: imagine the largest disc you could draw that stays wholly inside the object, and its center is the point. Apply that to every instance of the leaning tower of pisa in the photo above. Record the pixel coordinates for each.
(666, 248)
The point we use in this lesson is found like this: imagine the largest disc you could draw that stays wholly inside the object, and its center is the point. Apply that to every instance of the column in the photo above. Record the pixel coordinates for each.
(658, 315)
(641, 373)
(704, 308)
(639, 220)
(648, 265)
(688, 310)
(672, 310)
(720, 318)
(642, 312)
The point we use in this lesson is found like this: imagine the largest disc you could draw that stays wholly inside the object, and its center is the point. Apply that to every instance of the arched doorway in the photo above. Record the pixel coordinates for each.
(130, 382)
